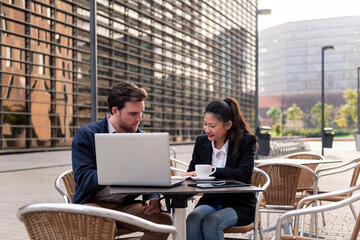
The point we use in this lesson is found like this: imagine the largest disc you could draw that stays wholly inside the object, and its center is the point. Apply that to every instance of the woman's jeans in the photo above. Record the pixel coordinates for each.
(208, 222)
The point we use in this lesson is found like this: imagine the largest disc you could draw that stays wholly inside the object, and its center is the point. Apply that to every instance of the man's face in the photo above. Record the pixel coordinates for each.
(127, 119)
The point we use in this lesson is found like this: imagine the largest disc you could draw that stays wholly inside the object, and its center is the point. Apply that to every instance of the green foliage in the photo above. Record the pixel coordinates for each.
(294, 112)
(347, 116)
(315, 132)
(329, 113)
(277, 129)
(274, 113)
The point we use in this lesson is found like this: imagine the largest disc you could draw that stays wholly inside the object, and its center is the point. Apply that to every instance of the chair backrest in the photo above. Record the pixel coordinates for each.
(260, 178)
(47, 221)
(302, 211)
(306, 179)
(284, 178)
(350, 165)
(67, 178)
(355, 174)
(46, 225)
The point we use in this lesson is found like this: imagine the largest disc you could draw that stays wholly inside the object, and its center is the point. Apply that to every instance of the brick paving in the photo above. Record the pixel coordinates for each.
(29, 178)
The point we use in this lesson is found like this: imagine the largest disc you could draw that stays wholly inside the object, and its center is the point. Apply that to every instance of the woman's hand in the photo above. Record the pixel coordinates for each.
(193, 174)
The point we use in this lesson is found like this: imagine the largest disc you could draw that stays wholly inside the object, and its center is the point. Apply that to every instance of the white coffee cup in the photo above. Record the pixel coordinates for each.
(204, 170)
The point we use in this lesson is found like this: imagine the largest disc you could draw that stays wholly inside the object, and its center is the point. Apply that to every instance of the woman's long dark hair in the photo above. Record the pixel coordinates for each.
(227, 110)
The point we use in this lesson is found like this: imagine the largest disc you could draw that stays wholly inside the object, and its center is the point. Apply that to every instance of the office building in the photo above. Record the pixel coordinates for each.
(290, 60)
(184, 53)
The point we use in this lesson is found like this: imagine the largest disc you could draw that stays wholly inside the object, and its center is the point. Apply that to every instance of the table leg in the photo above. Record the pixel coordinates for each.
(178, 206)
(179, 214)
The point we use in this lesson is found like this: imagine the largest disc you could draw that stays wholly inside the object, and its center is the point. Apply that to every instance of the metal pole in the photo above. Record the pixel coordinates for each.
(322, 102)
(322, 97)
(282, 114)
(257, 13)
(93, 62)
(358, 103)
(256, 75)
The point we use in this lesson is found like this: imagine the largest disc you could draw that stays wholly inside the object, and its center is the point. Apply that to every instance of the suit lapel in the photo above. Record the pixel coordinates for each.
(206, 152)
(229, 159)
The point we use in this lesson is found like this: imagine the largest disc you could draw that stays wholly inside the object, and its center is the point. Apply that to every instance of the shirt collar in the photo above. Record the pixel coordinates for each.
(224, 148)
(111, 128)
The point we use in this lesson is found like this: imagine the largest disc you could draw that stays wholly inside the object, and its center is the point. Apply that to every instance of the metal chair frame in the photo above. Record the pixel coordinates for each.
(311, 210)
(256, 225)
(276, 208)
(62, 210)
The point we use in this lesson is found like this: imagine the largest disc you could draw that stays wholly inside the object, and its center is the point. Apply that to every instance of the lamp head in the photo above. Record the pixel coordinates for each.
(328, 47)
(263, 11)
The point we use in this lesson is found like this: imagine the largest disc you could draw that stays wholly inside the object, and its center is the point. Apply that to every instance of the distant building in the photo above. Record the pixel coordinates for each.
(290, 60)
(185, 53)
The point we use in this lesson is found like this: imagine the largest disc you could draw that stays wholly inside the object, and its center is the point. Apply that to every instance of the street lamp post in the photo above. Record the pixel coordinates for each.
(357, 136)
(358, 102)
(258, 12)
(323, 49)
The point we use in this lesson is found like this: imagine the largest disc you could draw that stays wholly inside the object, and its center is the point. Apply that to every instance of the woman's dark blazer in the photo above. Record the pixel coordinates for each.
(239, 169)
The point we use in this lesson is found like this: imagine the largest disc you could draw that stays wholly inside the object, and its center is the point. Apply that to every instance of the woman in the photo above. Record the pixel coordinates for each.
(230, 147)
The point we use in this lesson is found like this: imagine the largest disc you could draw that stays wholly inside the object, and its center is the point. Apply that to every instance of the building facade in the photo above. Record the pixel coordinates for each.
(185, 53)
(290, 56)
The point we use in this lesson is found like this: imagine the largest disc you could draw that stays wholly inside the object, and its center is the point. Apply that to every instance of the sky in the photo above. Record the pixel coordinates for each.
(283, 11)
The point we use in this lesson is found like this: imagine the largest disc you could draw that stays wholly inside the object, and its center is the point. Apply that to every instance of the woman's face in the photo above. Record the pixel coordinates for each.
(215, 129)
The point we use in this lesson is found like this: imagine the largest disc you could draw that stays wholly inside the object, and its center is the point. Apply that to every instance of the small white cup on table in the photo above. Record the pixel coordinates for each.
(204, 170)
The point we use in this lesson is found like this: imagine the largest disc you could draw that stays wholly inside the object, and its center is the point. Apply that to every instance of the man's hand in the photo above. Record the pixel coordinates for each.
(152, 206)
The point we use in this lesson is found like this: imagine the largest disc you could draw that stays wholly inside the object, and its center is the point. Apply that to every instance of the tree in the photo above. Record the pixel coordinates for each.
(347, 116)
(294, 112)
(277, 129)
(328, 113)
(274, 113)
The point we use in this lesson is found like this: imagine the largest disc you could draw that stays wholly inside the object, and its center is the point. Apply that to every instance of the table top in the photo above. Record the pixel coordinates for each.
(297, 161)
(183, 188)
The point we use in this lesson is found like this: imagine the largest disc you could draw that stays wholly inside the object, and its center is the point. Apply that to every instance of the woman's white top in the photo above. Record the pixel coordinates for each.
(219, 155)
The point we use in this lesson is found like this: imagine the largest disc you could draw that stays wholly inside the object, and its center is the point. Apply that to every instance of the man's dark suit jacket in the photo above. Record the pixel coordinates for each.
(239, 169)
(84, 162)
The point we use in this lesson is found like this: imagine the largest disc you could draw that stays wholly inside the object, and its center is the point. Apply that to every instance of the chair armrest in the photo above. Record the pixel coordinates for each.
(339, 169)
(326, 195)
(338, 165)
(96, 211)
(179, 162)
(178, 169)
(57, 186)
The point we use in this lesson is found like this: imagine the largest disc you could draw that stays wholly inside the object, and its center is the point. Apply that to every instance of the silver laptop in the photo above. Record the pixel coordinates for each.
(134, 159)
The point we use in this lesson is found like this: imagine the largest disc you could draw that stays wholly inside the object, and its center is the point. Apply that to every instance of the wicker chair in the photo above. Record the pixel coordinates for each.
(310, 210)
(67, 178)
(48, 221)
(280, 196)
(329, 171)
(174, 166)
(259, 179)
(306, 179)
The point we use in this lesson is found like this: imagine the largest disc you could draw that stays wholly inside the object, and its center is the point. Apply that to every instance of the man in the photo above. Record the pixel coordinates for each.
(126, 105)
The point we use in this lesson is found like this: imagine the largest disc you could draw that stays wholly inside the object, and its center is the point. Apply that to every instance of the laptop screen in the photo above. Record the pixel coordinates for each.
(133, 159)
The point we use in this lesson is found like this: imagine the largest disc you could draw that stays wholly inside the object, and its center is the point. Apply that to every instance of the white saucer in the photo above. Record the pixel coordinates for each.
(203, 179)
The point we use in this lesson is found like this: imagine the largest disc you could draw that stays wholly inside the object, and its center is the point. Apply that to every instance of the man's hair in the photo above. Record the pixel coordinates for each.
(124, 92)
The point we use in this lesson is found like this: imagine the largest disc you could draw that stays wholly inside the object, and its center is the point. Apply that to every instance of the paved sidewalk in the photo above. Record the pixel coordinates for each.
(29, 178)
